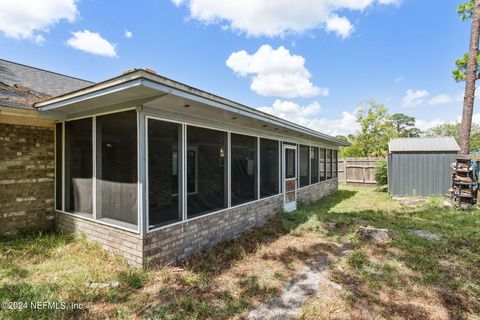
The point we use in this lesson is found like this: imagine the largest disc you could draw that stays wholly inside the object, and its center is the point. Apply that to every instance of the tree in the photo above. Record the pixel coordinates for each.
(376, 129)
(405, 125)
(342, 138)
(467, 70)
(445, 130)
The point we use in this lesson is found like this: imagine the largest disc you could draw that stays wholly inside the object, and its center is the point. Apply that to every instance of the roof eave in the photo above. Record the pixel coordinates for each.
(139, 77)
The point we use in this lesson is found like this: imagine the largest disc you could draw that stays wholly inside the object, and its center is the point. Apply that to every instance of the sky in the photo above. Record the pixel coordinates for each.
(314, 62)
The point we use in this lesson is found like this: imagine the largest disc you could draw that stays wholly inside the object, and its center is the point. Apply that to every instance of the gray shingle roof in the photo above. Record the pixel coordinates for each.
(21, 85)
(423, 144)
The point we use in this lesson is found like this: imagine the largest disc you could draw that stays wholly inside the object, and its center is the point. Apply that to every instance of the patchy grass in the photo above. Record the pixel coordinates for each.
(410, 277)
(60, 268)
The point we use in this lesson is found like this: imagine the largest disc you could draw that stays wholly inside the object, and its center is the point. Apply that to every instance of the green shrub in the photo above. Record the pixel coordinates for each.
(381, 172)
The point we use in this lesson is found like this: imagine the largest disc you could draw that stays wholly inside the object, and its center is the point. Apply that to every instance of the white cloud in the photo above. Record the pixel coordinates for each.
(273, 18)
(445, 99)
(128, 34)
(428, 124)
(93, 43)
(414, 98)
(275, 73)
(424, 125)
(340, 25)
(39, 39)
(24, 19)
(310, 116)
(395, 2)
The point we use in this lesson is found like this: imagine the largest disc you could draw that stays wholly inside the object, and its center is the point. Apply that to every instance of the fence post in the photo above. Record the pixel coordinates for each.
(345, 170)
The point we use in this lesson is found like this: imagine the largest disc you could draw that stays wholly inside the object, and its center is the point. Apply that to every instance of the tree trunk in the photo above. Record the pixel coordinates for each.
(470, 83)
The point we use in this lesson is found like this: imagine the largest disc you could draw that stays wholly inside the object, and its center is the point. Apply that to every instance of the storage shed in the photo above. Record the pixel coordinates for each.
(420, 166)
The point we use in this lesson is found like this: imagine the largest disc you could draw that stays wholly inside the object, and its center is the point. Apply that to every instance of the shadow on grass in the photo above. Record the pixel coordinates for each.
(441, 267)
(195, 296)
(219, 259)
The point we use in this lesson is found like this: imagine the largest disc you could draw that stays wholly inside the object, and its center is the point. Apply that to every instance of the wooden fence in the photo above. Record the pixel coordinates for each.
(357, 170)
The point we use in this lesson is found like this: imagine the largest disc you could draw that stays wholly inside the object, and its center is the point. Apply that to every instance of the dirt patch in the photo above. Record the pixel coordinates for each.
(298, 289)
(426, 235)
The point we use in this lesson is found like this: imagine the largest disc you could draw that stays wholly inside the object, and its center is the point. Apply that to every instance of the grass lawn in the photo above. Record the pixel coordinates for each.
(409, 277)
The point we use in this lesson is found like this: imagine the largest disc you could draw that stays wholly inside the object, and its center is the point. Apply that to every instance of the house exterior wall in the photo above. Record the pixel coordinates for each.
(171, 244)
(27, 169)
(419, 173)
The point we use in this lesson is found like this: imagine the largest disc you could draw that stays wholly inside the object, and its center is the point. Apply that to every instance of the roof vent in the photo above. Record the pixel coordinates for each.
(150, 70)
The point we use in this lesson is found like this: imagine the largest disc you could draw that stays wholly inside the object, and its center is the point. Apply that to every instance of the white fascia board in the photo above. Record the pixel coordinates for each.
(92, 95)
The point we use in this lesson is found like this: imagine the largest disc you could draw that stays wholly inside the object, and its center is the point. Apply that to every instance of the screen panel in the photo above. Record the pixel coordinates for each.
(323, 168)
(206, 171)
(164, 175)
(243, 168)
(329, 164)
(117, 170)
(78, 166)
(304, 165)
(314, 163)
(269, 166)
(290, 160)
(335, 163)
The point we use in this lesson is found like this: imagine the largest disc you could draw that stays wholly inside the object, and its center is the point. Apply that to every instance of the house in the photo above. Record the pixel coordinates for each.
(420, 166)
(150, 168)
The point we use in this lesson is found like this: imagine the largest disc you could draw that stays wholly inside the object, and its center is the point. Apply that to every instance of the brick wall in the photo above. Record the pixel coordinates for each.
(171, 244)
(27, 168)
(175, 243)
(319, 190)
(124, 243)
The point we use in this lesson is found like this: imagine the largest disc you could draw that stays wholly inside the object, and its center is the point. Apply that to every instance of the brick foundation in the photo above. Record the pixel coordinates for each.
(317, 191)
(27, 168)
(174, 243)
(124, 243)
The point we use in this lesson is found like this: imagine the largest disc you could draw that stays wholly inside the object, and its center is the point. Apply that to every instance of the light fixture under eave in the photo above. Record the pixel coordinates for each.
(234, 118)
(186, 106)
(265, 125)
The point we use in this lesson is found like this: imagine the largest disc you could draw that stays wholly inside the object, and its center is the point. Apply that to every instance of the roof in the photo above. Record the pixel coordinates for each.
(423, 144)
(22, 85)
(142, 83)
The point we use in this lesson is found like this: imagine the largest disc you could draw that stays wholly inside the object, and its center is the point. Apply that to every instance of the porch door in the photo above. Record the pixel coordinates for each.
(289, 177)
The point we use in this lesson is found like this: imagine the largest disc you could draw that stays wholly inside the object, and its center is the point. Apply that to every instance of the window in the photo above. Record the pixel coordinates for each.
(58, 165)
(269, 164)
(244, 168)
(314, 164)
(78, 166)
(164, 176)
(335, 163)
(323, 174)
(290, 164)
(116, 152)
(329, 164)
(206, 172)
(304, 166)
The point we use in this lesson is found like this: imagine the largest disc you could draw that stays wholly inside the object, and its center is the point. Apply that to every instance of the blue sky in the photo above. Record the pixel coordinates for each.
(310, 61)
